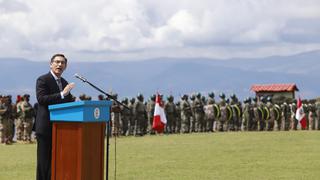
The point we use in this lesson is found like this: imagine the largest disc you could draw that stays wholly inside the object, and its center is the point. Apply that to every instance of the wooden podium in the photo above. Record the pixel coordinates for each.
(78, 139)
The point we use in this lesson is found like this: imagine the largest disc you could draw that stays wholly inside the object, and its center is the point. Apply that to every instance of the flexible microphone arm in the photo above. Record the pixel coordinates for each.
(98, 89)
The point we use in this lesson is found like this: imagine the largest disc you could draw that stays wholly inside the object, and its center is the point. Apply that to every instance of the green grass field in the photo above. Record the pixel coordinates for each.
(238, 155)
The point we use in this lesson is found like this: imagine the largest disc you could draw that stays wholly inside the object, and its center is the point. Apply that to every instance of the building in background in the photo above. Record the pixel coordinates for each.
(276, 91)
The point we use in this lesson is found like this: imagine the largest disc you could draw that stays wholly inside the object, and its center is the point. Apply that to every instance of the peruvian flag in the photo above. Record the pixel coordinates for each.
(159, 117)
(300, 115)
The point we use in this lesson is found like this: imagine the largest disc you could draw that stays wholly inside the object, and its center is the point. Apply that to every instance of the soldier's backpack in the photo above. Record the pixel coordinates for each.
(209, 111)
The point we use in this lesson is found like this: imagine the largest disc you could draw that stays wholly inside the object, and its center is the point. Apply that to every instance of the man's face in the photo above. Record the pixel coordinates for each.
(58, 65)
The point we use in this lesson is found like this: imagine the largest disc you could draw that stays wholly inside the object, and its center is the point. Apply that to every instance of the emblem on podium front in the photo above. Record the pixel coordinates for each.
(96, 113)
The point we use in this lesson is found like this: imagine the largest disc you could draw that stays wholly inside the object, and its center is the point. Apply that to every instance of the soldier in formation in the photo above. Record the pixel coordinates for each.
(211, 113)
(150, 111)
(116, 117)
(26, 115)
(170, 111)
(186, 114)
(199, 114)
(140, 114)
(7, 116)
(125, 117)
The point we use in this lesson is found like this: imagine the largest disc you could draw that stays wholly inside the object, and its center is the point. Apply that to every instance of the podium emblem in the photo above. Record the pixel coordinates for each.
(96, 113)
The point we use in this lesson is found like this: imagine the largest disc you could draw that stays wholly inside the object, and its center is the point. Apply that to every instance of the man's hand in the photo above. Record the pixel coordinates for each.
(67, 89)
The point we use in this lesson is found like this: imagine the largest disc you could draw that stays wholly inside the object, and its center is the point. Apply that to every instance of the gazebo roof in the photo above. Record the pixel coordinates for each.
(274, 87)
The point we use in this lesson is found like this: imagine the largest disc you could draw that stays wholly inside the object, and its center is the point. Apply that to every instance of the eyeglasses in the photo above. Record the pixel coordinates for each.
(59, 62)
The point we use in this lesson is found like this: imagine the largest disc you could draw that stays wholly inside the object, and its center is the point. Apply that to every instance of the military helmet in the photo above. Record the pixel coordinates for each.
(153, 97)
(185, 97)
(222, 95)
(161, 96)
(198, 95)
(100, 97)
(211, 94)
(82, 97)
(114, 96)
(192, 97)
(132, 100)
(254, 99)
(170, 98)
(203, 98)
(125, 101)
(269, 98)
(263, 99)
(88, 98)
(233, 96)
(140, 97)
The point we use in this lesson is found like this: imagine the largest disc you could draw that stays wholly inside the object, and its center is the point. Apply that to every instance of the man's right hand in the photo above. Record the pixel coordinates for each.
(68, 88)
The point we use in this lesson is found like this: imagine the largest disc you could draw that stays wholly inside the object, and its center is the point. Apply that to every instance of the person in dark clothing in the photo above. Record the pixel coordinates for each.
(51, 88)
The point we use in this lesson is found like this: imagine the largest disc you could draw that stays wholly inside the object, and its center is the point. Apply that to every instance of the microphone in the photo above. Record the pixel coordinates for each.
(80, 77)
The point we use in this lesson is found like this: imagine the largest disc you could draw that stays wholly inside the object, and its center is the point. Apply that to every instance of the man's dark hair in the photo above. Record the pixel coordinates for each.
(61, 55)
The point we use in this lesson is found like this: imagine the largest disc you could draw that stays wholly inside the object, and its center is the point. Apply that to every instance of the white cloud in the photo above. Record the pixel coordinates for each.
(138, 29)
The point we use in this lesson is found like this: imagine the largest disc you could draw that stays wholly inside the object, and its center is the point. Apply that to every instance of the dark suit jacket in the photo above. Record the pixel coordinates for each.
(48, 93)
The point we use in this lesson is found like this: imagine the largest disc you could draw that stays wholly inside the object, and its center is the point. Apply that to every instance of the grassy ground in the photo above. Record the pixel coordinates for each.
(239, 155)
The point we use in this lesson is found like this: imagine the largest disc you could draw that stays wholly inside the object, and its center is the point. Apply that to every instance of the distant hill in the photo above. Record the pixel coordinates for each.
(172, 76)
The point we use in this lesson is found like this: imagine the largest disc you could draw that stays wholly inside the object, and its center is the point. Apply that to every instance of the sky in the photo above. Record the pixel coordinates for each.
(115, 30)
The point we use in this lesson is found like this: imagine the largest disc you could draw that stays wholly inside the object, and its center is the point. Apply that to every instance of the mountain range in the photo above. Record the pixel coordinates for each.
(174, 76)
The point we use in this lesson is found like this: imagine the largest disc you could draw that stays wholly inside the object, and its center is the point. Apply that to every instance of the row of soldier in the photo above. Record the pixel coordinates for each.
(16, 119)
(202, 114)
(196, 113)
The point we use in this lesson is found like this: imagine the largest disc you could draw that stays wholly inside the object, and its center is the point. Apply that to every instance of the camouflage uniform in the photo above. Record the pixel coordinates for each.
(185, 114)
(132, 117)
(150, 111)
(210, 111)
(200, 124)
(278, 118)
(178, 118)
(116, 117)
(193, 123)
(294, 121)
(272, 116)
(141, 116)
(286, 113)
(170, 110)
(12, 116)
(5, 127)
(246, 116)
(258, 115)
(265, 112)
(235, 122)
(27, 118)
(19, 120)
(125, 117)
(312, 116)
(224, 114)
(317, 115)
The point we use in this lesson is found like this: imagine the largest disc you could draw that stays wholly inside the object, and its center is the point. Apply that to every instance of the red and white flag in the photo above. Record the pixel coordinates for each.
(159, 117)
(300, 115)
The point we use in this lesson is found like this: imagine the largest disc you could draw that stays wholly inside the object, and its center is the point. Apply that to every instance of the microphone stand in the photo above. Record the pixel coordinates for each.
(98, 89)
(108, 122)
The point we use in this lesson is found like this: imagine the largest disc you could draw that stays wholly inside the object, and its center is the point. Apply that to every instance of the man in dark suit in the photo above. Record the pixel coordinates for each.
(51, 88)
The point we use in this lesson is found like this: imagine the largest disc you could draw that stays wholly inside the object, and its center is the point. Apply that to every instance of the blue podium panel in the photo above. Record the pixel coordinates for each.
(81, 111)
